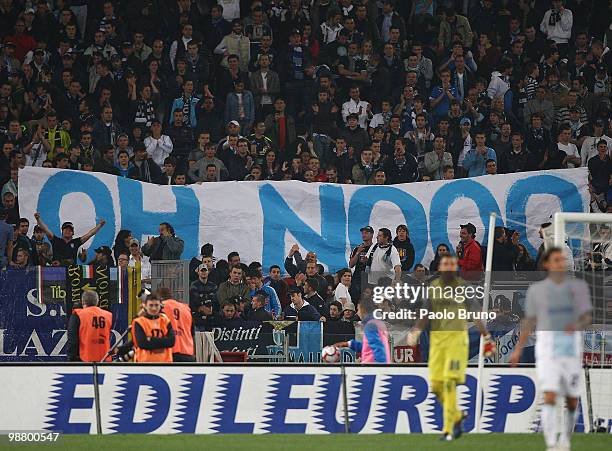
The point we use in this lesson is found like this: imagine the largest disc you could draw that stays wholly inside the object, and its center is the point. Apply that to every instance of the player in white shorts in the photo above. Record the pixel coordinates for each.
(558, 307)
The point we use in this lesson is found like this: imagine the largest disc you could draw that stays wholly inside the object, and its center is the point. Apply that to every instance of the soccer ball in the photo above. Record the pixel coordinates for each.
(330, 354)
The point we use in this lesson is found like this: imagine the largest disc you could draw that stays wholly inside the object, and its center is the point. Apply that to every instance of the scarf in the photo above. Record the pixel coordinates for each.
(187, 110)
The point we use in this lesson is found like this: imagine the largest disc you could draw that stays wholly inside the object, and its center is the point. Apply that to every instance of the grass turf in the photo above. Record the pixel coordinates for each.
(379, 442)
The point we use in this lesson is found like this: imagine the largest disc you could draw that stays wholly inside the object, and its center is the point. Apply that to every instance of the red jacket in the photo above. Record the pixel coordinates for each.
(471, 262)
(23, 44)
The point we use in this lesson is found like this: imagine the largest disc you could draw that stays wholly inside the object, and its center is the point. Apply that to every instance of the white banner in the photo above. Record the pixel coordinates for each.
(262, 220)
(258, 399)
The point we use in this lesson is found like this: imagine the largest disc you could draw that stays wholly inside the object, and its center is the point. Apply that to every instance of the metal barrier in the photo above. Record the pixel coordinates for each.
(173, 274)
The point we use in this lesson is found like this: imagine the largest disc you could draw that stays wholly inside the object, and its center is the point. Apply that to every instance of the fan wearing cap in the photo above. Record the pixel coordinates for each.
(202, 288)
(359, 260)
(65, 248)
(203, 315)
(137, 259)
(469, 253)
(104, 256)
(300, 309)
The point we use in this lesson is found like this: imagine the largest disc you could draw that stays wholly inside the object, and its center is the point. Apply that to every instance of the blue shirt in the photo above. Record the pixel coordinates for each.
(476, 164)
(443, 107)
(273, 305)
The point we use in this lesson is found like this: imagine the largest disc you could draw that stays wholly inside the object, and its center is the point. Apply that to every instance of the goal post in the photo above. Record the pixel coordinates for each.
(485, 308)
(561, 219)
(589, 253)
(587, 237)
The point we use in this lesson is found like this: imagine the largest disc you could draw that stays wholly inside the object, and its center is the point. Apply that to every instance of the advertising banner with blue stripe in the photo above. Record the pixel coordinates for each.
(298, 399)
(264, 219)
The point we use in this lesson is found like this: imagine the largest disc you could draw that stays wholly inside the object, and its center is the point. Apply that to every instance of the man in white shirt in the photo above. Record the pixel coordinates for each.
(557, 25)
(383, 259)
(382, 119)
(572, 159)
(137, 257)
(466, 127)
(355, 105)
(159, 146)
(231, 9)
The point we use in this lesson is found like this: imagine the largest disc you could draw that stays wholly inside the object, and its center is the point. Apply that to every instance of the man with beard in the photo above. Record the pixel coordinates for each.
(449, 344)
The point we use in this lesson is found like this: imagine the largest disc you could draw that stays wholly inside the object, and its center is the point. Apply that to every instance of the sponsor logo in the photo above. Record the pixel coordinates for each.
(146, 403)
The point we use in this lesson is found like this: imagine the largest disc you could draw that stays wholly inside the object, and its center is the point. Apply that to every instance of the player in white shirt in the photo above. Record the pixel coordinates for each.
(559, 308)
(383, 259)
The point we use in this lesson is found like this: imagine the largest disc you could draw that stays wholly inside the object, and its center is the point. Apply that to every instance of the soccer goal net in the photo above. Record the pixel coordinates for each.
(587, 241)
(587, 238)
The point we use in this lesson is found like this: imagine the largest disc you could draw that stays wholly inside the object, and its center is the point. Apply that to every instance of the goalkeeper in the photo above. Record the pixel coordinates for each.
(449, 344)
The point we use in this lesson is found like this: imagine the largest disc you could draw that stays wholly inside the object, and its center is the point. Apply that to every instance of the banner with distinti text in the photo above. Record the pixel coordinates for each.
(262, 220)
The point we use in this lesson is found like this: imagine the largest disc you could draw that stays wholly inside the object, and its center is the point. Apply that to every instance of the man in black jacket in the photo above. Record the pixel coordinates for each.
(145, 169)
(202, 289)
(355, 136)
(311, 285)
(182, 139)
(504, 251)
(299, 309)
(203, 316)
(258, 311)
(403, 167)
(517, 159)
(238, 164)
(106, 163)
(404, 247)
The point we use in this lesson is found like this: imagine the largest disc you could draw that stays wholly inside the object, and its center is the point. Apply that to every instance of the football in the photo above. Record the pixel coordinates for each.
(330, 354)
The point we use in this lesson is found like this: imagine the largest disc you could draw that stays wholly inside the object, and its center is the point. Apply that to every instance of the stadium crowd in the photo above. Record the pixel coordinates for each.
(347, 91)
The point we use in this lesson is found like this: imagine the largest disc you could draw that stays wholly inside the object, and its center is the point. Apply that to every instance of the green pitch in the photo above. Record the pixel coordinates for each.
(382, 442)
